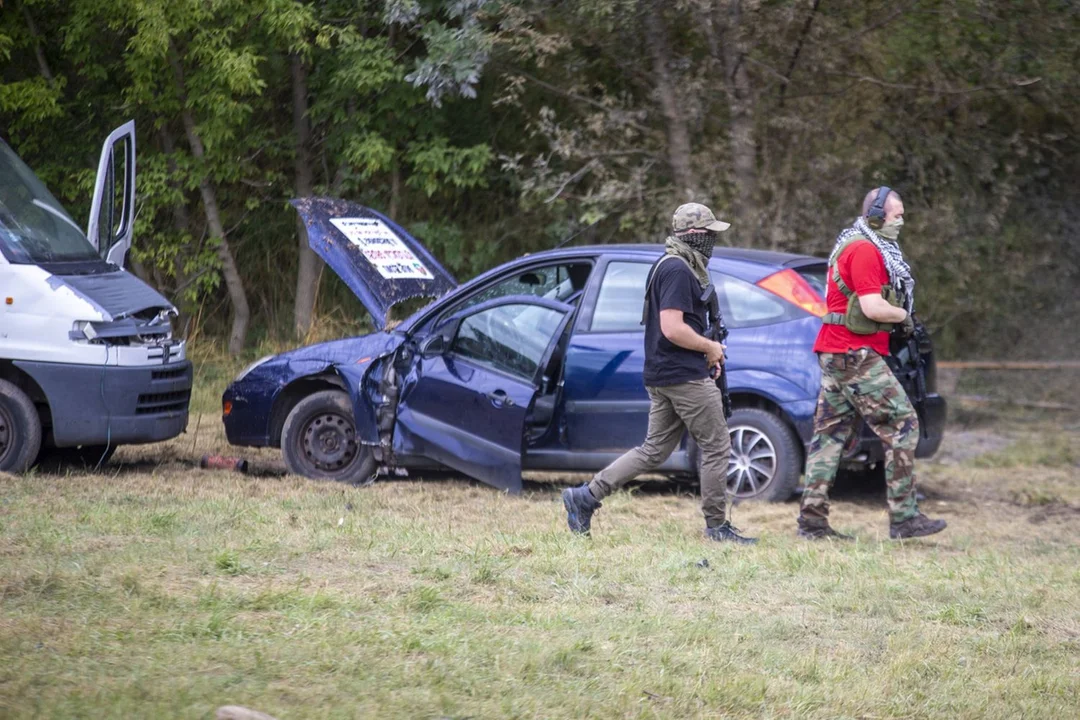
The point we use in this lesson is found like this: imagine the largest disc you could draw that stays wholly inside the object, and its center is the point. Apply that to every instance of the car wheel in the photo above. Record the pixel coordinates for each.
(20, 429)
(86, 457)
(319, 441)
(766, 460)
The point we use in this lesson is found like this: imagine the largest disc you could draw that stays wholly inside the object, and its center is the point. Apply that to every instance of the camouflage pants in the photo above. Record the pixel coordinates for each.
(860, 382)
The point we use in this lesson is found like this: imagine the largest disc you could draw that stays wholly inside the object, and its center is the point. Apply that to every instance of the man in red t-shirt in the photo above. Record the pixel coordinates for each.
(869, 290)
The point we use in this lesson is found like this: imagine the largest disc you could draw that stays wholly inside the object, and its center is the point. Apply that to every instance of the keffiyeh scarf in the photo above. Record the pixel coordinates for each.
(899, 270)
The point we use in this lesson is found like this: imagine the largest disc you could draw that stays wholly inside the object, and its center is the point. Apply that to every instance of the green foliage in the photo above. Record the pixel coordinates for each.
(496, 128)
(436, 166)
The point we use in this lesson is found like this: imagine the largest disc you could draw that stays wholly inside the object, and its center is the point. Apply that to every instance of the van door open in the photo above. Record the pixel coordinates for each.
(112, 212)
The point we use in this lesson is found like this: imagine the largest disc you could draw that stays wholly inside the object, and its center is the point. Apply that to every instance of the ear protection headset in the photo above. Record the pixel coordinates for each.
(875, 216)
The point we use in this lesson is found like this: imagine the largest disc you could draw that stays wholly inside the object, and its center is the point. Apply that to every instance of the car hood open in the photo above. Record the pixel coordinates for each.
(376, 258)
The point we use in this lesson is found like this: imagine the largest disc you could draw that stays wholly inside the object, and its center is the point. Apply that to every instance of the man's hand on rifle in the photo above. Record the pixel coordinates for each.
(714, 358)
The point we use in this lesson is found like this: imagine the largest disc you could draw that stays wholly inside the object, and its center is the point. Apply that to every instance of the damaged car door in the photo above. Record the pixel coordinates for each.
(471, 387)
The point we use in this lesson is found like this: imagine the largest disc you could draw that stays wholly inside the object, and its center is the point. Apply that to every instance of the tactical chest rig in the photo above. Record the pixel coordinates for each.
(854, 319)
(715, 329)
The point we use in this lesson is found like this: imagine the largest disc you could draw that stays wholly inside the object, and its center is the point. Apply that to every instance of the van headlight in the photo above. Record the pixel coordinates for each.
(252, 366)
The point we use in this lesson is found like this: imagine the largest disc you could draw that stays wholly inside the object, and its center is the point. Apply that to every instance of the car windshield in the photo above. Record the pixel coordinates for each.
(34, 227)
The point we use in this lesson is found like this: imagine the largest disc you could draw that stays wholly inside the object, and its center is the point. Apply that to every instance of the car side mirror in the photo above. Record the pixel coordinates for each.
(440, 342)
(433, 347)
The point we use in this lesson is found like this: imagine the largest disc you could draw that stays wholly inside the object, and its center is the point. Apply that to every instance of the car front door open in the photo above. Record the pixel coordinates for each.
(472, 386)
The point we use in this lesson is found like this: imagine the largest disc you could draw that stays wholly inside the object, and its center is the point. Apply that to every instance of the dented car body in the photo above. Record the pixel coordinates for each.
(533, 365)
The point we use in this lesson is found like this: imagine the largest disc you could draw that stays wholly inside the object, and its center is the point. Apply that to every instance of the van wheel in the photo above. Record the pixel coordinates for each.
(86, 457)
(20, 429)
(319, 441)
(766, 460)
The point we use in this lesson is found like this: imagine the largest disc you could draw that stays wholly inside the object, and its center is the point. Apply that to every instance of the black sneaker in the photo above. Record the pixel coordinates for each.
(918, 526)
(580, 506)
(821, 533)
(728, 533)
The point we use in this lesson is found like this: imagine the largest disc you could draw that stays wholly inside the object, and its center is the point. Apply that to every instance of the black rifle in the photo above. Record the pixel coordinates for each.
(912, 374)
(718, 332)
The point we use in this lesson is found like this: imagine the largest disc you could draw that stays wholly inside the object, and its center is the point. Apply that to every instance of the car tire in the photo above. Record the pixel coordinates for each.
(85, 457)
(20, 429)
(319, 440)
(766, 459)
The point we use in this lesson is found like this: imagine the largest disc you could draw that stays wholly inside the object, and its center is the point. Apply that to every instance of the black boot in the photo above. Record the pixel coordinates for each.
(727, 533)
(580, 506)
(918, 526)
(824, 532)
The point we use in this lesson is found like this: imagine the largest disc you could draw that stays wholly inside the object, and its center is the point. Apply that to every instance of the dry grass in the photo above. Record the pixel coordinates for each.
(161, 590)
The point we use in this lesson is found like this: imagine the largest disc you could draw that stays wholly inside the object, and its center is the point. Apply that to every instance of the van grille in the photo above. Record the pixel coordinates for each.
(168, 374)
(154, 403)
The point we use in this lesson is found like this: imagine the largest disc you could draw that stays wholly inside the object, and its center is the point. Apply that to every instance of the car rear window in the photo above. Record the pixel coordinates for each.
(815, 275)
(744, 304)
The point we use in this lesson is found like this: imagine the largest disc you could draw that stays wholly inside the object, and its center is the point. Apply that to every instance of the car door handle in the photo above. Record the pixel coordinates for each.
(500, 399)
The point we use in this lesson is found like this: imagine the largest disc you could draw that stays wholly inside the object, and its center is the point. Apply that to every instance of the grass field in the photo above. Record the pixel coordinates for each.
(160, 590)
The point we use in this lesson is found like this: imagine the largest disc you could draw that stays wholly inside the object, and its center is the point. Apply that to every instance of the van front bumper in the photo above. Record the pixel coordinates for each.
(118, 405)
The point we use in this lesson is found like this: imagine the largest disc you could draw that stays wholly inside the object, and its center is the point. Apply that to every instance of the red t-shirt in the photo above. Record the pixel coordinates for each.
(863, 269)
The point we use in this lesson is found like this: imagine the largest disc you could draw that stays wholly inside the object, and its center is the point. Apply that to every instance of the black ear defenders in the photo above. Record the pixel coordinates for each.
(875, 216)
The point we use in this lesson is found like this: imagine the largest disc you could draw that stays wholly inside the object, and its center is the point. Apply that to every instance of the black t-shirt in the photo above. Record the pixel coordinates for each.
(674, 287)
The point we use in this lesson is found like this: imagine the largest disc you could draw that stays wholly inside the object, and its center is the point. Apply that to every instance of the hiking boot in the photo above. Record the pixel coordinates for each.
(913, 527)
(580, 506)
(809, 532)
(728, 533)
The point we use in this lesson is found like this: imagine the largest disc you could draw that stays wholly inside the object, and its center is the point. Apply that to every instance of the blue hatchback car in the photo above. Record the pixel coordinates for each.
(536, 365)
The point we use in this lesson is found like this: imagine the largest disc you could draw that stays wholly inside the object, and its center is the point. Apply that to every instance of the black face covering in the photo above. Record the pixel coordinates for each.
(703, 242)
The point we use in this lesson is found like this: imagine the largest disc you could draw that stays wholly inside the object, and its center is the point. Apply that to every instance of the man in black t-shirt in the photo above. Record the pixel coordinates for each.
(680, 362)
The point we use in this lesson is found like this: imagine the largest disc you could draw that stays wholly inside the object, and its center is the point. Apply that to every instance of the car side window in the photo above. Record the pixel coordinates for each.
(554, 282)
(746, 305)
(509, 338)
(622, 298)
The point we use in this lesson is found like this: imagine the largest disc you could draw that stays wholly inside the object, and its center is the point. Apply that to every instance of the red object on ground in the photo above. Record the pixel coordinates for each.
(220, 462)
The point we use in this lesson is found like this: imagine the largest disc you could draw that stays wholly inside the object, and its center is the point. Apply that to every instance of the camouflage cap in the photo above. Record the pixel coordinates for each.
(696, 215)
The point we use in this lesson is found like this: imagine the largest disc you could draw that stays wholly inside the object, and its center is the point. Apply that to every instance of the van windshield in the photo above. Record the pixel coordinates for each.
(34, 227)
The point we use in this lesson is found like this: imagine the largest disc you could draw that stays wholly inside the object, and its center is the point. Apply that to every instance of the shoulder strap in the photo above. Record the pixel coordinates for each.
(649, 282)
(835, 267)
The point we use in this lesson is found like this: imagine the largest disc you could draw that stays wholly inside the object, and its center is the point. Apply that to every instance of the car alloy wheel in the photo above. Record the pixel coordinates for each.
(752, 463)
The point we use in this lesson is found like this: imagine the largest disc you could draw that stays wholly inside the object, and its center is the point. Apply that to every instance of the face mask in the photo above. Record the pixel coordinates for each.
(702, 242)
(891, 229)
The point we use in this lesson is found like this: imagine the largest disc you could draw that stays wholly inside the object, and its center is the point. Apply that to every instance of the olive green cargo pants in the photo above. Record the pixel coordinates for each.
(695, 406)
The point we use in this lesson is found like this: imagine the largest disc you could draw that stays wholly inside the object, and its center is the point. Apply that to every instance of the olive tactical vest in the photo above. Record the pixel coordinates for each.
(854, 319)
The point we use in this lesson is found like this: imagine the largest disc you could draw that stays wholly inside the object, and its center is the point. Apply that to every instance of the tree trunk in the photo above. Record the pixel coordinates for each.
(233, 283)
(39, 51)
(732, 51)
(395, 191)
(308, 267)
(181, 219)
(678, 136)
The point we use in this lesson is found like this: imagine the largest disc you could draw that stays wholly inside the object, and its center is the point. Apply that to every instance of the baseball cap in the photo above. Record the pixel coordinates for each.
(696, 215)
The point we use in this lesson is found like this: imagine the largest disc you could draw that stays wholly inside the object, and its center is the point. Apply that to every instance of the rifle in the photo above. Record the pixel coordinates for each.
(916, 344)
(718, 331)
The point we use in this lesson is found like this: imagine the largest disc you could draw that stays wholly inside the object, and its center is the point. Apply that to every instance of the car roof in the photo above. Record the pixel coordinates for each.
(758, 257)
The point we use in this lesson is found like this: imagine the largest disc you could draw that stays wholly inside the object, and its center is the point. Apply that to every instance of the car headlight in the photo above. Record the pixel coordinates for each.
(252, 366)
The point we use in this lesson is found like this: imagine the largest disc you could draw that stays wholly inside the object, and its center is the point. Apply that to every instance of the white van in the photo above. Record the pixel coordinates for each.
(87, 355)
